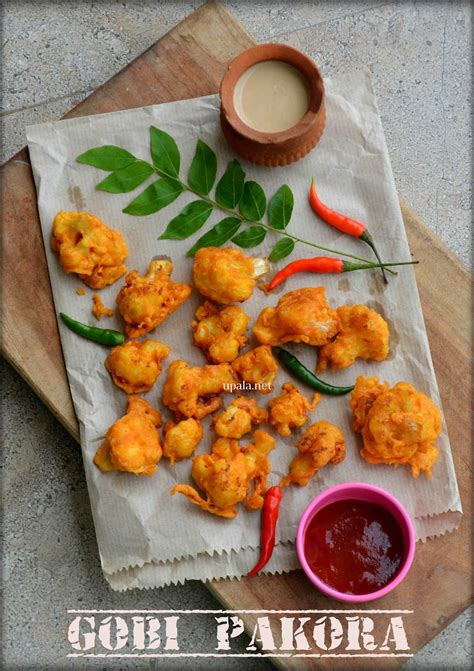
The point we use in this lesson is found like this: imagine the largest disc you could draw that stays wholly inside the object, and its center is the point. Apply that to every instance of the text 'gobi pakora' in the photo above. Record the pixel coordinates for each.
(89, 248)
(290, 409)
(302, 315)
(237, 419)
(398, 425)
(230, 475)
(258, 368)
(322, 443)
(132, 444)
(186, 388)
(226, 275)
(181, 439)
(364, 334)
(135, 366)
(145, 301)
(220, 333)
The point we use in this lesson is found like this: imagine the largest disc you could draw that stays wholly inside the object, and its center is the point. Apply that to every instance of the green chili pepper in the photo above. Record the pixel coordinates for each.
(305, 375)
(103, 336)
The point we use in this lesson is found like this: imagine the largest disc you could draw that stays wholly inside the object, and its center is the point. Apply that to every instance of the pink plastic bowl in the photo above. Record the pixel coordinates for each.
(360, 492)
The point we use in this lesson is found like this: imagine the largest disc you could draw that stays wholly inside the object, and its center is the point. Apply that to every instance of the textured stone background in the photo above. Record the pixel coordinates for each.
(55, 54)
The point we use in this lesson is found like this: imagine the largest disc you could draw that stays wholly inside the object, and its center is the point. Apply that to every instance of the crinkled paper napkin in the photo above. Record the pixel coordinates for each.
(145, 537)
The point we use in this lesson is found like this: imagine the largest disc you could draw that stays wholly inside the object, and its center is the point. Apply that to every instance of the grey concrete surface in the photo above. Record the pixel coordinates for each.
(54, 54)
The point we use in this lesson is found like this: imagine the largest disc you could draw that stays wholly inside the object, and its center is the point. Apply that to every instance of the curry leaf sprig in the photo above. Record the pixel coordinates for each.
(244, 202)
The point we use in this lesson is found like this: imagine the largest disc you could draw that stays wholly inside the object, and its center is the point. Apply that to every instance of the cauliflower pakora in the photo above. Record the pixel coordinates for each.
(181, 439)
(135, 366)
(146, 301)
(89, 248)
(364, 334)
(230, 475)
(185, 388)
(399, 425)
(302, 315)
(132, 444)
(258, 368)
(99, 310)
(290, 409)
(238, 417)
(226, 275)
(322, 443)
(220, 333)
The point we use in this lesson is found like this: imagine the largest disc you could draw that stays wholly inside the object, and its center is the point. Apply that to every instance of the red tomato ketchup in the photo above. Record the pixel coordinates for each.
(354, 547)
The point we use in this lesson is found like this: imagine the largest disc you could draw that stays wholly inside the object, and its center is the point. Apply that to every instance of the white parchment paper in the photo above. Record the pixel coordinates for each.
(145, 537)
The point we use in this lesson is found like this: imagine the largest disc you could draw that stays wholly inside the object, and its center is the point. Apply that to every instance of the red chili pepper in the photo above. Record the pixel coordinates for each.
(270, 509)
(325, 264)
(343, 223)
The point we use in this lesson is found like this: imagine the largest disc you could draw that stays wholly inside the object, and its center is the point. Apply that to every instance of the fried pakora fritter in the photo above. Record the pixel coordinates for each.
(192, 392)
(399, 425)
(290, 409)
(220, 333)
(237, 419)
(230, 475)
(364, 334)
(132, 444)
(135, 366)
(146, 301)
(302, 315)
(322, 443)
(181, 439)
(99, 310)
(89, 248)
(226, 275)
(258, 368)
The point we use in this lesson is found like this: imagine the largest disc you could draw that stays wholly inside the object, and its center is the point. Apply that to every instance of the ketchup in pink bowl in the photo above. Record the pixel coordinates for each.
(355, 542)
(355, 547)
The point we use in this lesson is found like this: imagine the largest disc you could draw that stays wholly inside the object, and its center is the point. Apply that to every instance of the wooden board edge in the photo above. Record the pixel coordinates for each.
(70, 425)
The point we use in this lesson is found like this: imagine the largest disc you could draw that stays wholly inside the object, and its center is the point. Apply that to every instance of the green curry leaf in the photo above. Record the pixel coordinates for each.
(156, 196)
(108, 157)
(253, 202)
(251, 237)
(230, 187)
(126, 179)
(203, 169)
(280, 208)
(217, 235)
(164, 152)
(189, 220)
(282, 249)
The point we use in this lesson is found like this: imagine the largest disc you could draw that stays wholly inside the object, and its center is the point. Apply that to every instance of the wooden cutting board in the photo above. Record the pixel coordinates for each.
(188, 62)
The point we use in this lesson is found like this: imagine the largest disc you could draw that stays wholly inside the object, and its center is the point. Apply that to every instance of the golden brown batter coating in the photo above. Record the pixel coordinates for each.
(302, 315)
(89, 248)
(258, 368)
(99, 310)
(135, 366)
(398, 425)
(364, 334)
(220, 333)
(146, 301)
(237, 419)
(132, 444)
(180, 440)
(230, 475)
(192, 392)
(290, 409)
(226, 275)
(322, 443)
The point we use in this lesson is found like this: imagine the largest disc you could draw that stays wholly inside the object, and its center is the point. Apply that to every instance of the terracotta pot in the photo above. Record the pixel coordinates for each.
(273, 149)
